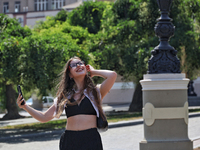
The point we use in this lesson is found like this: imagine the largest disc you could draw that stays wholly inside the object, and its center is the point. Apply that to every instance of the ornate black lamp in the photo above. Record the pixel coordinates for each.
(164, 59)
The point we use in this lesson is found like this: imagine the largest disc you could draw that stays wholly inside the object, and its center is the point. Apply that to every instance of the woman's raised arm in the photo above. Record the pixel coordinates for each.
(40, 116)
(109, 76)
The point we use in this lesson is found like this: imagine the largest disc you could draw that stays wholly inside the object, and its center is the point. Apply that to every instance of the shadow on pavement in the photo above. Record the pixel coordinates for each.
(2, 123)
(194, 115)
(124, 124)
(13, 136)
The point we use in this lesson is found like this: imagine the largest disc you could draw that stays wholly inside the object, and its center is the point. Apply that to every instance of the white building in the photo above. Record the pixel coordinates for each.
(30, 11)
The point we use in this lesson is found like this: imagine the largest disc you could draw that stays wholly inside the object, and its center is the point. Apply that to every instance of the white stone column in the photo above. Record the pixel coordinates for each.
(165, 112)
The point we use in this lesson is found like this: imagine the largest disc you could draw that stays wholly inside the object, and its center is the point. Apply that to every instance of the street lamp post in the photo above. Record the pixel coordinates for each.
(164, 59)
(165, 105)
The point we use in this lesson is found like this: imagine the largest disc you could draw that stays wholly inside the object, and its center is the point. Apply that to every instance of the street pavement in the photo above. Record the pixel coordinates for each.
(124, 135)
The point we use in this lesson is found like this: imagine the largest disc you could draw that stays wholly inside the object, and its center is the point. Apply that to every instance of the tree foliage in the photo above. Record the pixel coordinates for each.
(117, 36)
(88, 16)
(127, 37)
(12, 34)
(47, 51)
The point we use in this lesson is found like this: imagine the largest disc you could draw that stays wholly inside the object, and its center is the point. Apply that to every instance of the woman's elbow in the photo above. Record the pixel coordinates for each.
(42, 121)
(46, 119)
(114, 75)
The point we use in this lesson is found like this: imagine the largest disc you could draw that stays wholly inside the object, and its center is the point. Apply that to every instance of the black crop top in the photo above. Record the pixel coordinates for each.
(85, 107)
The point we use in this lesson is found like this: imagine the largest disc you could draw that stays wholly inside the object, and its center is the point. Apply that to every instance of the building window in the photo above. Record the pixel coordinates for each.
(17, 6)
(58, 4)
(41, 5)
(5, 7)
(21, 21)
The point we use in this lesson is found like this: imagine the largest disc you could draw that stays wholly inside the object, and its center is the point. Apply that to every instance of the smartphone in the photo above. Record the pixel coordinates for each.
(20, 92)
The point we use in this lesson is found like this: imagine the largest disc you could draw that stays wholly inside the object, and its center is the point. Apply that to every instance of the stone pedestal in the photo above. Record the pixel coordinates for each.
(165, 112)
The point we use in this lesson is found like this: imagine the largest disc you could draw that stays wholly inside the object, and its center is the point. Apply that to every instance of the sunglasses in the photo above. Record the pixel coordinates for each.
(80, 63)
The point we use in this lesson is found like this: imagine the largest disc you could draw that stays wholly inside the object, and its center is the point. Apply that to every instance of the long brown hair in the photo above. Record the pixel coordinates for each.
(66, 86)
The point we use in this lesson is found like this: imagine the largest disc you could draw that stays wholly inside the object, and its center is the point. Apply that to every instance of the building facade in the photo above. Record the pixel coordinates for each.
(30, 11)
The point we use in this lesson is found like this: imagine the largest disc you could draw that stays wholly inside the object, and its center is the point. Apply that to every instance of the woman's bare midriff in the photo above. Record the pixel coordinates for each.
(81, 122)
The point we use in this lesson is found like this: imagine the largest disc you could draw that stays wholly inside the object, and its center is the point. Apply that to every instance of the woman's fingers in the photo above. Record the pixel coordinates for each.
(19, 97)
(87, 68)
(90, 69)
(20, 104)
(19, 100)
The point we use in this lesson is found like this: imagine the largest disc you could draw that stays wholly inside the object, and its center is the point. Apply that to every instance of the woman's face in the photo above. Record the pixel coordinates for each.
(77, 68)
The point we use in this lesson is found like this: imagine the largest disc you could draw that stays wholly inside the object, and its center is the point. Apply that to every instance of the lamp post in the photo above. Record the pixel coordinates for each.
(164, 59)
(165, 106)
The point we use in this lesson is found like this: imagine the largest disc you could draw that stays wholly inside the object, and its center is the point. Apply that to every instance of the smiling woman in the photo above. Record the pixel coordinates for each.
(82, 101)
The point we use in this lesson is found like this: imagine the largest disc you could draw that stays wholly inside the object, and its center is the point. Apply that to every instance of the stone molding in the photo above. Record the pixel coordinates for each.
(150, 113)
(164, 82)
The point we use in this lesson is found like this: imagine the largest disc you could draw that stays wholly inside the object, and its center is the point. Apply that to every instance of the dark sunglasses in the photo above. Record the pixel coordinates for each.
(80, 63)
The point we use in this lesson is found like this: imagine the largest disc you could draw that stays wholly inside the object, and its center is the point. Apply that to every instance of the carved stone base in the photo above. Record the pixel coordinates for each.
(163, 61)
(163, 145)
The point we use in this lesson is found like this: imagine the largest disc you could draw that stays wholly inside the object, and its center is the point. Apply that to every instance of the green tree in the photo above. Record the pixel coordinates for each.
(186, 18)
(34, 59)
(122, 46)
(46, 52)
(126, 9)
(11, 35)
(61, 16)
(117, 36)
(123, 36)
(125, 41)
(88, 16)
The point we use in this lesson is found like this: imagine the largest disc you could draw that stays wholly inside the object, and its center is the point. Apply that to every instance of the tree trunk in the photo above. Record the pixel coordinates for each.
(11, 104)
(136, 104)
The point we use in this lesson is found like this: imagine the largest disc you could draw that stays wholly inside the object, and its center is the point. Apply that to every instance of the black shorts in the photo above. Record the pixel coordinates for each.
(81, 140)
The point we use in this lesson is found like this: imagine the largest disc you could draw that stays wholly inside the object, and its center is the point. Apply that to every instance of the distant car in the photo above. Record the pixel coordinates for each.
(29, 102)
(46, 100)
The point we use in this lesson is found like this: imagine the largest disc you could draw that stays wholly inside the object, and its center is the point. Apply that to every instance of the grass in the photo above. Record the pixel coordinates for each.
(194, 110)
(123, 116)
(60, 124)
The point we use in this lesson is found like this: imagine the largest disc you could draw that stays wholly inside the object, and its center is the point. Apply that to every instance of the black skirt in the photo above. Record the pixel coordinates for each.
(81, 140)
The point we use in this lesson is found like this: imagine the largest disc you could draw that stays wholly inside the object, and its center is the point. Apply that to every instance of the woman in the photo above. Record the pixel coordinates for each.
(81, 100)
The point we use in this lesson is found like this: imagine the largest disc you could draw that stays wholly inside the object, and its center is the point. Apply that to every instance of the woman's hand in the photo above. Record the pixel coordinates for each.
(108, 75)
(20, 100)
(90, 69)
